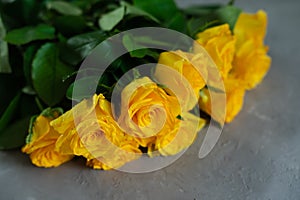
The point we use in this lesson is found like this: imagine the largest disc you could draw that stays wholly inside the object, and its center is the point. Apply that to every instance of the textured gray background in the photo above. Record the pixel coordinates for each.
(257, 157)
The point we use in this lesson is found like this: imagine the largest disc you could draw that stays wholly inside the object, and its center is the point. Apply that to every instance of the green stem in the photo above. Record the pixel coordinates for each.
(39, 104)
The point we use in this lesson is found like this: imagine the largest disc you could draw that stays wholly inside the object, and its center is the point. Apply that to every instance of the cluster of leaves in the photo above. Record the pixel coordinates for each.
(43, 43)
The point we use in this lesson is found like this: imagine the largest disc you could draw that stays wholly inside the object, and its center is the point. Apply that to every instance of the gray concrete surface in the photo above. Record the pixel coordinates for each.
(257, 157)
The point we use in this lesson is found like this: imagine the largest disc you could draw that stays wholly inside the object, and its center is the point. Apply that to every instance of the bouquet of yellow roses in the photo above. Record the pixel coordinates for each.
(113, 80)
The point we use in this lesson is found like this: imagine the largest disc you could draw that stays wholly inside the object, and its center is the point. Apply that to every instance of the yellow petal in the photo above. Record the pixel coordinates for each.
(251, 26)
(220, 44)
(48, 157)
(185, 76)
(251, 64)
(235, 91)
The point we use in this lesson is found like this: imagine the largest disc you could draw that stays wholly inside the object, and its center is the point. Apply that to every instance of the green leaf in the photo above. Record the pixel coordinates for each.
(69, 55)
(109, 20)
(200, 11)
(162, 10)
(130, 43)
(10, 112)
(27, 62)
(84, 72)
(177, 22)
(132, 10)
(14, 135)
(47, 74)
(82, 45)
(228, 14)
(70, 25)
(4, 61)
(64, 8)
(142, 51)
(196, 25)
(28, 90)
(166, 11)
(52, 113)
(30, 129)
(84, 88)
(28, 34)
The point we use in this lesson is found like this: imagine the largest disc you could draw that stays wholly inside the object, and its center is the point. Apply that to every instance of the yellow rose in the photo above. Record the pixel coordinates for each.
(251, 62)
(235, 92)
(114, 158)
(96, 164)
(69, 142)
(185, 78)
(107, 143)
(67, 122)
(151, 116)
(89, 130)
(41, 143)
(145, 109)
(248, 66)
(220, 44)
(179, 136)
(251, 27)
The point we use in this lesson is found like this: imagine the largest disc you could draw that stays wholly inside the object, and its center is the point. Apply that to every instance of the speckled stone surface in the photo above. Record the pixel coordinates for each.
(257, 156)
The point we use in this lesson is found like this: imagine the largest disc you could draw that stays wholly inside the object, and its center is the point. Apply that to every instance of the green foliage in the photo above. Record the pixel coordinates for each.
(14, 135)
(132, 10)
(29, 34)
(28, 57)
(162, 10)
(108, 21)
(166, 11)
(85, 87)
(76, 48)
(64, 8)
(205, 17)
(131, 43)
(9, 113)
(14, 121)
(228, 14)
(47, 74)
